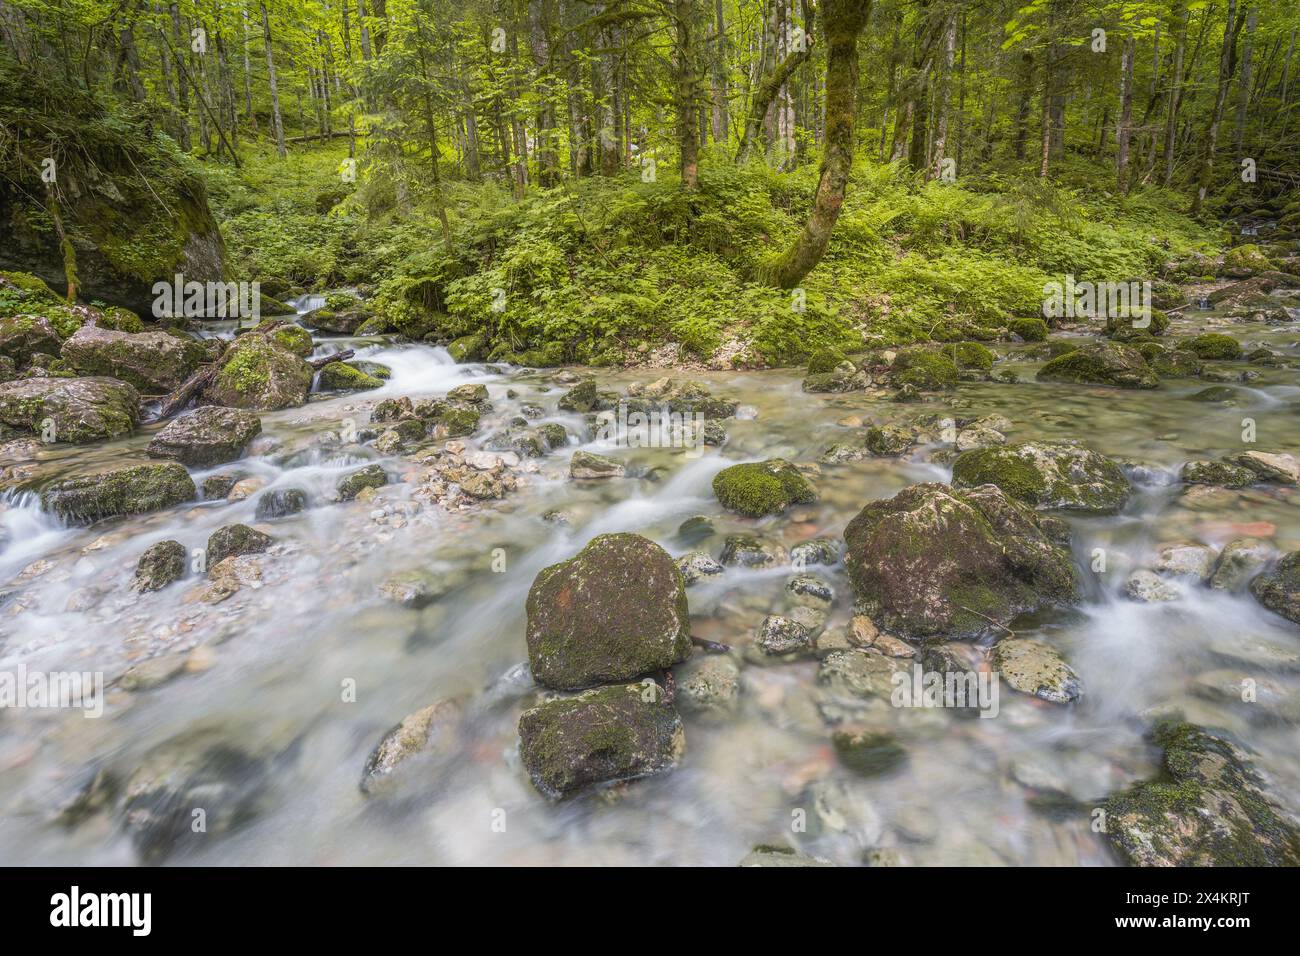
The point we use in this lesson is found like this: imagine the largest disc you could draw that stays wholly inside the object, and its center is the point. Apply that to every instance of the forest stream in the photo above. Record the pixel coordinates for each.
(260, 698)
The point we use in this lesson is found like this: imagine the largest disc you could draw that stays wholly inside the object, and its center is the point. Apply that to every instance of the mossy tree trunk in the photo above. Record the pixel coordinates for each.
(1226, 63)
(842, 22)
(767, 90)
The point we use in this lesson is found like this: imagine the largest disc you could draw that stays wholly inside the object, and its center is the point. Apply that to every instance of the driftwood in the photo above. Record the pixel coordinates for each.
(186, 392)
(337, 134)
(320, 363)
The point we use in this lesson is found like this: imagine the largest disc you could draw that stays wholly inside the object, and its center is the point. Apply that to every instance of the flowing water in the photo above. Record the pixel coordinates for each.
(306, 668)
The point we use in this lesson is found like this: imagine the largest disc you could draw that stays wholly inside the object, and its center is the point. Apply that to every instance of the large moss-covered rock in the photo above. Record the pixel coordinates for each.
(79, 409)
(1101, 364)
(128, 490)
(208, 436)
(342, 377)
(22, 336)
(936, 561)
(1212, 345)
(924, 370)
(133, 209)
(1279, 589)
(154, 362)
(257, 373)
(614, 611)
(600, 736)
(762, 487)
(1208, 808)
(1047, 475)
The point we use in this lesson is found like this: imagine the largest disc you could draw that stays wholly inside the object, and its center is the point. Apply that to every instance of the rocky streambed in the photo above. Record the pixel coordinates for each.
(401, 609)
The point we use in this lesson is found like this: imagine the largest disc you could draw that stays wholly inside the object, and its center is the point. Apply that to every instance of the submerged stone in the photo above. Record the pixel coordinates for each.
(600, 736)
(1279, 588)
(1208, 808)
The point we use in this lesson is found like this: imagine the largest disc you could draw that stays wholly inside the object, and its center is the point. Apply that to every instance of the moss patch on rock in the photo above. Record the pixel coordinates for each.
(762, 488)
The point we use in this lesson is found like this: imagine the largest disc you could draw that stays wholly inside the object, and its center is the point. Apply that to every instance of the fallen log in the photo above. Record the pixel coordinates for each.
(186, 392)
(322, 361)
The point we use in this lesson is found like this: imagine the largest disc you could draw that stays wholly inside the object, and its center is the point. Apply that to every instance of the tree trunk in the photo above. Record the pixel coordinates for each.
(684, 23)
(842, 22)
(1220, 100)
(767, 91)
(1175, 91)
(277, 122)
(945, 96)
(1243, 84)
(1124, 134)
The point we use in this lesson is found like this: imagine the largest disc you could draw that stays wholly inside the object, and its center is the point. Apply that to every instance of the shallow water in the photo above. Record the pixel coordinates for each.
(278, 657)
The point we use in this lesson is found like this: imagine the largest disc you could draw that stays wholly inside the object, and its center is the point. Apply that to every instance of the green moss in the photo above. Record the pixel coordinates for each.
(972, 355)
(1029, 329)
(762, 488)
(824, 360)
(925, 370)
(467, 348)
(1014, 475)
(459, 422)
(1245, 259)
(342, 377)
(293, 338)
(1212, 345)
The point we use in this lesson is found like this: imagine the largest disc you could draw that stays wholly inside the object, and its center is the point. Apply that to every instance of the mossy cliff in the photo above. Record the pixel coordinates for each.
(133, 209)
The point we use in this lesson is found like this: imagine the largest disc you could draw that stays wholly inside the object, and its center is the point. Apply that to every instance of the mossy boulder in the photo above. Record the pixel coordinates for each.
(371, 476)
(345, 321)
(1130, 328)
(825, 360)
(160, 565)
(924, 370)
(613, 612)
(22, 336)
(600, 736)
(467, 348)
(762, 488)
(292, 338)
(78, 409)
(234, 540)
(971, 355)
(1212, 345)
(1244, 261)
(153, 362)
(934, 561)
(127, 490)
(1028, 329)
(257, 373)
(581, 398)
(1279, 588)
(1171, 362)
(1047, 476)
(1101, 364)
(208, 436)
(342, 377)
(280, 503)
(1207, 808)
